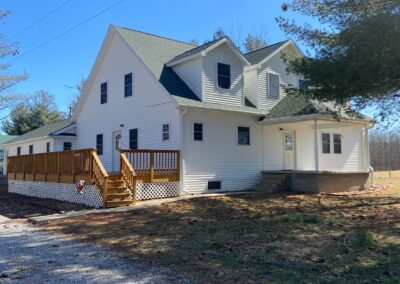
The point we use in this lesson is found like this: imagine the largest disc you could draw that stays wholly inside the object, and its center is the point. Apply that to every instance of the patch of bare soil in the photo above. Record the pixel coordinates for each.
(258, 238)
(17, 206)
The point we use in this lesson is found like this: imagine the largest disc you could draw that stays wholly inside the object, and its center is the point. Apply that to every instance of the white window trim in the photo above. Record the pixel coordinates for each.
(279, 86)
(237, 135)
(331, 146)
(192, 133)
(216, 77)
(169, 133)
(133, 84)
(108, 92)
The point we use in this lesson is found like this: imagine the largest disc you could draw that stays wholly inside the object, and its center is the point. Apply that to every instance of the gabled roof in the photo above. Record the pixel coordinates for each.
(256, 56)
(41, 132)
(202, 50)
(299, 105)
(155, 52)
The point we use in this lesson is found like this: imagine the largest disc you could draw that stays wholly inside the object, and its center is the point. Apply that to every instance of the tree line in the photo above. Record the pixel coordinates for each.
(385, 149)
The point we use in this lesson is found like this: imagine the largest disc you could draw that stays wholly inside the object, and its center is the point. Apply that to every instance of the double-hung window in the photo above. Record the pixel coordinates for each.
(48, 147)
(224, 76)
(99, 144)
(337, 144)
(326, 143)
(18, 151)
(198, 132)
(103, 93)
(133, 138)
(273, 86)
(128, 88)
(243, 135)
(30, 149)
(165, 132)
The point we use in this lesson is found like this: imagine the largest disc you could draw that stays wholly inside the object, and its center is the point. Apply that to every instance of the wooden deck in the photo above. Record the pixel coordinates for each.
(137, 166)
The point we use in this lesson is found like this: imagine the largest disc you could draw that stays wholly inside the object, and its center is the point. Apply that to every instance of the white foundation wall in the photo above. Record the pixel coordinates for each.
(218, 156)
(147, 110)
(59, 191)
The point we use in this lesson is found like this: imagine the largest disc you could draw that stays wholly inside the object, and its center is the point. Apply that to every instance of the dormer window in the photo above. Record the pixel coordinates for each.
(273, 86)
(224, 76)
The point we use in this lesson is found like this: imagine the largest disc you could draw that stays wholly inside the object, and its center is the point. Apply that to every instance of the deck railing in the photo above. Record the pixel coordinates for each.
(154, 165)
(128, 174)
(63, 167)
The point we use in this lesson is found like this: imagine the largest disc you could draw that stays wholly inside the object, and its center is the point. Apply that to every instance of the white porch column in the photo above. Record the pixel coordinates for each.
(316, 151)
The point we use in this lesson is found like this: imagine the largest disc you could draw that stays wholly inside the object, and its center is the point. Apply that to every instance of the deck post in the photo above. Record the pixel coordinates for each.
(178, 165)
(33, 167)
(58, 166)
(151, 166)
(73, 166)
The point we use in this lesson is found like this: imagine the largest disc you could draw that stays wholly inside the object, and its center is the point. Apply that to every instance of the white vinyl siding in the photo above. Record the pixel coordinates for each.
(146, 110)
(250, 86)
(191, 72)
(211, 92)
(219, 157)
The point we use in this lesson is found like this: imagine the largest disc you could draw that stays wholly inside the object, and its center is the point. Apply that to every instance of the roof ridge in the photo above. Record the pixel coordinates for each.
(267, 46)
(163, 37)
(200, 46)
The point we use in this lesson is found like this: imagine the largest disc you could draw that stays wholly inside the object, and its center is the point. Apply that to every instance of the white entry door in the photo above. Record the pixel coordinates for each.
(115, 151)
(289, 150)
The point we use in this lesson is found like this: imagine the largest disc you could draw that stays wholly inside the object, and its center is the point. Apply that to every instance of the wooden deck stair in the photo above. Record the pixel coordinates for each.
(117, 192)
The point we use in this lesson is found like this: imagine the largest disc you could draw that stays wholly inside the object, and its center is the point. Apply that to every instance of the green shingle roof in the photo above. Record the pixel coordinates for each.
(155, 52)
(297, 105)
(43, 131)
(195, 50)
(256, 56)
(5, 138)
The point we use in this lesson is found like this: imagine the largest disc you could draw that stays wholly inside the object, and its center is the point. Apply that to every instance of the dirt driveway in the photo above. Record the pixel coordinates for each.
(30, 255)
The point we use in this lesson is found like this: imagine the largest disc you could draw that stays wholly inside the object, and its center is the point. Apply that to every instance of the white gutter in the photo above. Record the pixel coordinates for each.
(311, 117)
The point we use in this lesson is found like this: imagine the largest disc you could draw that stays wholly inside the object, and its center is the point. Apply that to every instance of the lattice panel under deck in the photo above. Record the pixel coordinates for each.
(156, 190)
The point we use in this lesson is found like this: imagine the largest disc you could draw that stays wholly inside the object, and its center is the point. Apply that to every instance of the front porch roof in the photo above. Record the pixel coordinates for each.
(298, 108)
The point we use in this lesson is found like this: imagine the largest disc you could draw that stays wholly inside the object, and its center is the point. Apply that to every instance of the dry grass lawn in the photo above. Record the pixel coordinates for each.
(256, 238)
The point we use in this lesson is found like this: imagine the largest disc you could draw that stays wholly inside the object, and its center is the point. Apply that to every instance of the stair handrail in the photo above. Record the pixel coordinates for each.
(128, 174)
(100, 176)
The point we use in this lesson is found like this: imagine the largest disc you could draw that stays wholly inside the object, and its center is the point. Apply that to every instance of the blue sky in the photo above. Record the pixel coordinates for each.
(64, 61)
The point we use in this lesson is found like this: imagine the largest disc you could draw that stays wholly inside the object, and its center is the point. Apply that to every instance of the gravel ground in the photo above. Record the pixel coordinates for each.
(28, 255)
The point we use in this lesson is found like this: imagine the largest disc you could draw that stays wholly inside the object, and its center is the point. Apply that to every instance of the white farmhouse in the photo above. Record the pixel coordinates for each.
(225, 111)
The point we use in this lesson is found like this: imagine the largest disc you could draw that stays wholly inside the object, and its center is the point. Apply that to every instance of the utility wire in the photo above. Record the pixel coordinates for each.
(39, 20)
(68, 30)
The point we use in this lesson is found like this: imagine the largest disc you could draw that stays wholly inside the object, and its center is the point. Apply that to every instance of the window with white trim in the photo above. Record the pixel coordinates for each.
(337, 143)
(243, 135)
(128, 90)
(273, 86)
(224, 76)
(165, 132)
(198, 131)
(326, 143)
(103, 93)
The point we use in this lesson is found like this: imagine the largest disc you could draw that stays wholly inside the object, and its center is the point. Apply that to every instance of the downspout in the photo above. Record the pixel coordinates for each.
(316, 151)
(182, 175)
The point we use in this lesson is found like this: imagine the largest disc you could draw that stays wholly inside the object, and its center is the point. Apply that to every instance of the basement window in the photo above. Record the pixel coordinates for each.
(214, 185)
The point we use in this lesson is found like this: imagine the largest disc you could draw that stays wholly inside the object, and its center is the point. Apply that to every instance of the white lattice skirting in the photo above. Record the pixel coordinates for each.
(59, 191)
(156, 190)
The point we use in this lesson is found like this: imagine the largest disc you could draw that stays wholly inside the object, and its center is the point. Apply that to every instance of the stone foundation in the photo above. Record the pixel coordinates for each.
(320, 182)
(59, 191)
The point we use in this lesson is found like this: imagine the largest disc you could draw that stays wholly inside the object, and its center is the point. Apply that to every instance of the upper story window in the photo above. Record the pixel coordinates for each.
(337, 143)
(133, 138)
(18, 151)
(30, 149)
(243, 135)
(48, 147)
(165, 132)
(198, 132)
(99, 144)
(224, 76)
(273, 86)
(67, 146)
(103, 93)
(128, 85)
(326, 143)
(302, 85)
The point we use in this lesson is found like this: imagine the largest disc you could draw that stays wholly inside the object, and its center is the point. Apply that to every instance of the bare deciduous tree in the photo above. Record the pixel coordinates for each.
(7, 79)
